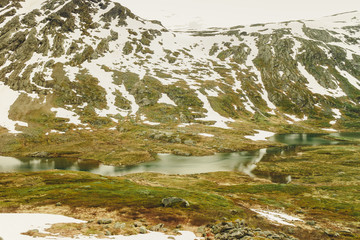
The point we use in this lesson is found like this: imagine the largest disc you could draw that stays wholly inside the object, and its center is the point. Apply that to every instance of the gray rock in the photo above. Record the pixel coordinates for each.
(311, 223)
(157, 228)
(104, 221)
(189, 142)
(119, 225)
(181, 152)
(142, 230)
(39, 154)
(331, 233)
(237, 234)
(201, 230)
(107, 233)
(346, 232)
(167, 202)
(138, 224)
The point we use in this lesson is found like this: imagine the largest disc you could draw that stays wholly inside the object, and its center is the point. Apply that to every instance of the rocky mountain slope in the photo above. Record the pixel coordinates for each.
(68, 65)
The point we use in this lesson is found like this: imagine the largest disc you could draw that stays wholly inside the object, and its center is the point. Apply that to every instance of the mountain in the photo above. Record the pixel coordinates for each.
(76, 65)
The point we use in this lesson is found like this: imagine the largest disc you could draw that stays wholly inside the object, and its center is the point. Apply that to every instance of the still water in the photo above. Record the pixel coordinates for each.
(171, 164)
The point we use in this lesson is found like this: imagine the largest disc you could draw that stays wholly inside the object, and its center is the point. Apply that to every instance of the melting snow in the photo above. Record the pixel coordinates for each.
(206, 134)
(329, 129)
(260, 136)
(106, 81)
(251, 41)
(352, 80)
(337, 113)
(315, 87)
(165, 99)
(151, 123)
(30, 5)
(211, 93)
(13, 224)
(63, 113)
(7, 98)
(185, 124)
(212, 115)
(295, 119)
(278, 217)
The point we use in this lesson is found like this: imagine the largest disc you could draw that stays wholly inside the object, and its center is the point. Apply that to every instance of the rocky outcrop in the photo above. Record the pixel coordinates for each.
(239, 230)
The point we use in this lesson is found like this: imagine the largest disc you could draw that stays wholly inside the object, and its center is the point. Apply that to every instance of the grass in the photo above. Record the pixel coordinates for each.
(83, 190)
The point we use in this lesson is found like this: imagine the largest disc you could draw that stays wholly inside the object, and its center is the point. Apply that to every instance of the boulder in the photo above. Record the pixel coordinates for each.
(104, 221)
(40, 154)
(167, 202)
(142, 230)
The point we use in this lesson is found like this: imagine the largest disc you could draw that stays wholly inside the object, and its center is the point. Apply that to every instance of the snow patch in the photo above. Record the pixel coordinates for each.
(278, 217)
(185, 125)
(7, 99)
(165, 99)
(352, 80)
(13, 224)
(337, 113)
(329, 129)
(211, 93)
(206, 134)
(220, 121)
(63, 113)
(151, 123)
(316, 88)
(30, 5)
(295, 119)
(260, 136)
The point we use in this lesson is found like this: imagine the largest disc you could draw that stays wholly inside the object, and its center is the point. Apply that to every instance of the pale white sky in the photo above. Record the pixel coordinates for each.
(225, 13)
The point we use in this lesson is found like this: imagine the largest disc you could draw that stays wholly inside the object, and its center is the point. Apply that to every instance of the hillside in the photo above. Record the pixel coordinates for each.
(75, 71)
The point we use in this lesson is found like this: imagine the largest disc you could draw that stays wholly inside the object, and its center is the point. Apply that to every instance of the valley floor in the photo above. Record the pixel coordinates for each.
(323, 194)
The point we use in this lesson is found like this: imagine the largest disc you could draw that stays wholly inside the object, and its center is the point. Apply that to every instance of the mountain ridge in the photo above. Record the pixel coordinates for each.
(89, 65)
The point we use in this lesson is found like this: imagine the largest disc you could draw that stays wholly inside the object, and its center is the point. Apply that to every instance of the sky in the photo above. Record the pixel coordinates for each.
(201, 14)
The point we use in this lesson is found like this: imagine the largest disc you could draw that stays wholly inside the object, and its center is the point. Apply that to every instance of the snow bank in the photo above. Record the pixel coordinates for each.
(165, 99)
(7, 98)
(206, 134)
(329, 129)
(13, 224)
(30, 5)
(63, 113)
(151, 123)
(278, 217)
(260, 136)
(221, 122)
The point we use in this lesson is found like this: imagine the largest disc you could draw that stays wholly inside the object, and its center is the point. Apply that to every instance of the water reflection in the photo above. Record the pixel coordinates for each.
(171, 164)
(303, 139)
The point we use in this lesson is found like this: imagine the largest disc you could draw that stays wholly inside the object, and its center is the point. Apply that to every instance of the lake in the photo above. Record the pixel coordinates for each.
(172, 164)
